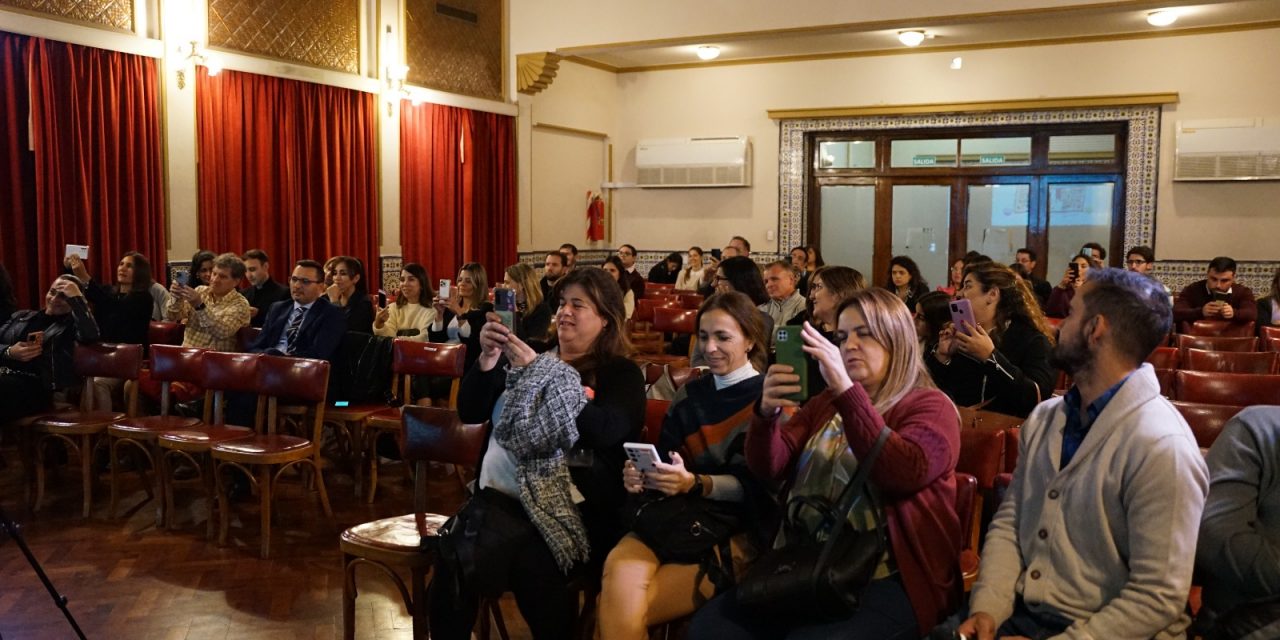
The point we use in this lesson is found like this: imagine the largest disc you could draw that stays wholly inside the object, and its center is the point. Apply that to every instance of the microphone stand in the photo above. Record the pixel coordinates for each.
(15, 532)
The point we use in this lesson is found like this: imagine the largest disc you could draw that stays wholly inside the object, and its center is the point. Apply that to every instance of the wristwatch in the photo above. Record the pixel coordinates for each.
(698, 487)
(200, 307)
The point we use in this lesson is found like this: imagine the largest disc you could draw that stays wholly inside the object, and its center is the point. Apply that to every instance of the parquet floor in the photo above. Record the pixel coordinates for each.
(126, 579)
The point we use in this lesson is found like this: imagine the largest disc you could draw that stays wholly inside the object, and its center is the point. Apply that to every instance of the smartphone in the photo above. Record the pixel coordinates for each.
(81, 250)
(1075, 270)
(962, 312)
(183, 278)
(1221, 296)
(444, 289)
(504, 304)
(715, 253)
(1087, 252)
(643, 455)
(789, 347)
(36, 337)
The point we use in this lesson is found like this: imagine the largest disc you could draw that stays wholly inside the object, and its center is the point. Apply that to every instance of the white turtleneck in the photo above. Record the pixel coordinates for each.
(734, 377)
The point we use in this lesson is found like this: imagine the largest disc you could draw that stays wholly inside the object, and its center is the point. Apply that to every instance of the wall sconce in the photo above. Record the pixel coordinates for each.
(394, 88)
(191, 55)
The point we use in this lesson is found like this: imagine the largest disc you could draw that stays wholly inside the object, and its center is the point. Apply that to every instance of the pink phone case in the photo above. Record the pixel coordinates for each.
(962, 312)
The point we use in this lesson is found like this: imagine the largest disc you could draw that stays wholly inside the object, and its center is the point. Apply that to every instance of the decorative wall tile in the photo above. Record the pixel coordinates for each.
(455, 46)
(391, 267)
(319, 33)
(117, 14)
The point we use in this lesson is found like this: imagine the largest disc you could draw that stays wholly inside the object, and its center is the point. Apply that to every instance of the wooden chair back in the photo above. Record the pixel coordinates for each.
(966, 495)
(165, 332)
(108, 360)
(293, 381)
(1165, 378)
(1011, 448)
(982, 455)
(228, 372)
(411, 358)
(246, 336)
(1227, 388)
(436, 434)
(1206, 420)
(1219, 328)
(1231, 361)
(1164, 358)
(1215, 343)
(681, 376)
(170, 363)
(655, 411)
(1269, 331)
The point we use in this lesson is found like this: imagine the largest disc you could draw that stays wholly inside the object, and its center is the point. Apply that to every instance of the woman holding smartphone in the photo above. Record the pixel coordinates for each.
(874, 379)
(704, 432)
(1001, 363)
(410, 316)
(122, 311)
(535, 317)
(461, 314)
(1059, 305)
(558, 524)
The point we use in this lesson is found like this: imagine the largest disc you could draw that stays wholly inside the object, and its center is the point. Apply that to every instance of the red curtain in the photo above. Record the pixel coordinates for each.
(96, 165)
(288, 167)
(457, 189)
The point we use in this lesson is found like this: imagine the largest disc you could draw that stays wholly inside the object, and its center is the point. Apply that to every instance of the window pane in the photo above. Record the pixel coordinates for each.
(851, 154)
(921, 225)
(998, 215)
(848, 226)
(1078, 213)
(1098, 149)
(995, 152)
(923, 153)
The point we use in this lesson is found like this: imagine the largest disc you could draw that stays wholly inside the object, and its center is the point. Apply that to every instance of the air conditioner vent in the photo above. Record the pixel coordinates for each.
(694, 162)
(1239, 149)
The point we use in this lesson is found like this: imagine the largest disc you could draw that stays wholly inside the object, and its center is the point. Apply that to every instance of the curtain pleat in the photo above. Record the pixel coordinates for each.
(17, 174)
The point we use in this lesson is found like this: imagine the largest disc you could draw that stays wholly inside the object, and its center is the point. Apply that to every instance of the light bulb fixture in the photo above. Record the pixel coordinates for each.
(957, 63)
(394, 74)
(191, 54)
(911, 38)
(708, 52)
(1162, 18)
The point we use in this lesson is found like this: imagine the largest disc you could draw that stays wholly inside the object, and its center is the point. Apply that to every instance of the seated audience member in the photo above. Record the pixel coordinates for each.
(459, 318)
(201, 268)
(411, 315)
(829, 288)
(307, 325)
(37, 349)
(349, 292)
(1003, 363)
(213, 312)
(1142, 259)
(703, 432)
(742, 275)
(904, 279)
(667, 271)
(694, 272)
(627, 254)
(1060, 299)
(1217, 297)
(535, 314)
(932, 313)
(8, 301)
(1095, 251)
(570, 253)
(954, 275)
(554, 266)
(800, 260)
(874, 379)
(1041, 287)
(613, 266)
(122, 311)
(1238, 555)
(785, 301)
(1097, 535)
(740, 246)
(580, 401)
(1269, 305)
(262, 291)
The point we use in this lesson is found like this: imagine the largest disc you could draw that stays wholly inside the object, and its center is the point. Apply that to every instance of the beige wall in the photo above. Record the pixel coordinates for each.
(1217, 76)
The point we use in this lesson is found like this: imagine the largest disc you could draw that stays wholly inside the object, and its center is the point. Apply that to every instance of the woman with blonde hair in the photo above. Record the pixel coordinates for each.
(693, 273)
(535, 317)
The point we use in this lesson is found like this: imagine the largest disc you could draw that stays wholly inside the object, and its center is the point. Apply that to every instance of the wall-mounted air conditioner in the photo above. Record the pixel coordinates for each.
(694, 162)
(1232, 149)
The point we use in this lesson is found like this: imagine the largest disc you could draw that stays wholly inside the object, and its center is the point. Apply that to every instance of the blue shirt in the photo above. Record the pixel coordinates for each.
(282, 345)
(1077, 426)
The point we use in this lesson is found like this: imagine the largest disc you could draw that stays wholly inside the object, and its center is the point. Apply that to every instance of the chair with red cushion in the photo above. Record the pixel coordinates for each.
(429, 434)
(1243, 389)
(1272, 343)
(246, 336)
(164, 332)
(1219, 328)
(1011, 448)
(293, 388)
(966, 494)
(677, 321)
(222, 373)
(981, 456)
(1164, 358)
(691, 300)
(655, 411)
(1231, 361)
(1214, 343)
(1206, 420)
(1269, 331)
(654, 289)
(80, 430)
(1165, 378)
(169, 363)
(410, 358)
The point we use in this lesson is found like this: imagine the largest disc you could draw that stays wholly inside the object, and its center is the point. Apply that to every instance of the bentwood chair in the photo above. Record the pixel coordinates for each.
(1219, 328)
(294, 388)
(1227, 388)
(1231, 361)
(81, 430)
(1206, 420)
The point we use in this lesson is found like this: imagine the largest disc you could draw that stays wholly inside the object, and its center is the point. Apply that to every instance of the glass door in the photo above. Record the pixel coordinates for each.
(921, 230)
(848, 225)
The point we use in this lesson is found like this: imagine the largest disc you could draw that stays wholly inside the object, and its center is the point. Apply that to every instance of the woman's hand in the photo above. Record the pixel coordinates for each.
(830, 362)
(493, 337)
(1068, 280)
(455, 302)
(946, 343)
(440, 305)
(77, 267)
(671, 479)
(977, 342)
(380, 315)
(519, 353)
(779, 381)
(632, 478)
(67, 288)
(334, 293)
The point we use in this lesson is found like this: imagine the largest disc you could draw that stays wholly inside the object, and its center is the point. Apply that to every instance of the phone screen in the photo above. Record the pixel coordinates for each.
(504, 304)
(789, 348)
(1221, 296)
(183, 278)
(341, 403)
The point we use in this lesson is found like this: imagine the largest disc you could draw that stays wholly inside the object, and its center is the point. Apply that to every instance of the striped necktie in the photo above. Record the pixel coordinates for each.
(291, 332)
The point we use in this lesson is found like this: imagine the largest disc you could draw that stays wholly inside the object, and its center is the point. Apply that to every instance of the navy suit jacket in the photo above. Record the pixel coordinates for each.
(318, 337)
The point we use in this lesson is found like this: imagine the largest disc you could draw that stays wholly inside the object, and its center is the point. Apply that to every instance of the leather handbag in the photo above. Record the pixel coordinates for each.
(684, 528)
(816, 579)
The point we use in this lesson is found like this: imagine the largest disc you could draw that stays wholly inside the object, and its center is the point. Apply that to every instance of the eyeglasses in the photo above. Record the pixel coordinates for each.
(720, 279)
(626, 253)
(1137, 262)
(302, 281)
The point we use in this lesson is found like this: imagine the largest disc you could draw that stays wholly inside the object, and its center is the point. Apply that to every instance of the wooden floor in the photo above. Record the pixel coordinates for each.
(125, 578)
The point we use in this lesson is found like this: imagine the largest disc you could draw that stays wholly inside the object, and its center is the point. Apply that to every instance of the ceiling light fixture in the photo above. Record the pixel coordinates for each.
(957, 63)
(1162, 18)
(911, 38)
(708, 52)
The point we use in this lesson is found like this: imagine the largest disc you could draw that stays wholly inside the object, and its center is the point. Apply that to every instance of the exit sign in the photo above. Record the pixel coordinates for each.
(991, 158)
(924, 161)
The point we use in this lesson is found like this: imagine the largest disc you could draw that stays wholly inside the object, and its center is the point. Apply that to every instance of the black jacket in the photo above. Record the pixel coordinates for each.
(318, 337)
(1017, 379)
(120, 317)
(475, 318)
(261, 298)
(56, 365)
(358, 312)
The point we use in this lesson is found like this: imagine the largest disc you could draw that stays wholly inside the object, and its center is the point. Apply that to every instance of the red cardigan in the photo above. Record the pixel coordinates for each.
(915, 474)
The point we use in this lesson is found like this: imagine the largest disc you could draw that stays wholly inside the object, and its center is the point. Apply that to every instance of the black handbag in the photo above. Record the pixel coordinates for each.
(683, 528)
(819, 580)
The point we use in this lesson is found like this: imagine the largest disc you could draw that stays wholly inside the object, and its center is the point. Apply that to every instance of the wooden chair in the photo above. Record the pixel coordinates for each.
(680, 376)
(655, 411)
(1165, 378)
(80, 430)
(1206, 420)
(675, 321)
(1214, 343)
(1227, 388)
(1268, 332)
(1164, 358)
(966, 494)
(1231, 361)
(653, 289)
(221, 373)
(1219, 328)
(411, 358)
(691, 301)
(981, 456)
(164, 332)
(1011, 448)
(281, 380)
(429, 434)
(169, 363)
(246, 336)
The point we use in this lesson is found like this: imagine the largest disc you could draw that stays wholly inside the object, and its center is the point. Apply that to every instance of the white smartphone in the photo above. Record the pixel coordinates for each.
(81, 250)
(444, 289)
(643, 455)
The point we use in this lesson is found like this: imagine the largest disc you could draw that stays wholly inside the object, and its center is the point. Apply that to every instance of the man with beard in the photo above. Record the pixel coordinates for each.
(1097, 535)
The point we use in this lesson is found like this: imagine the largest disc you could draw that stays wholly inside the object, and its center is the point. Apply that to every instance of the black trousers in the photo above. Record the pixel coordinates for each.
(22, 396)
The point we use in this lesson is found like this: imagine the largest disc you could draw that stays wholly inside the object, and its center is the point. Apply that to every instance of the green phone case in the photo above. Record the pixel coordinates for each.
(788, 346)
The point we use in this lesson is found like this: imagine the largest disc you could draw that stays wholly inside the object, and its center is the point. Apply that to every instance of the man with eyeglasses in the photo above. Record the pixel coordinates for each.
(307, 325)
(1041, 287)
(1142, 259)
(627, 254)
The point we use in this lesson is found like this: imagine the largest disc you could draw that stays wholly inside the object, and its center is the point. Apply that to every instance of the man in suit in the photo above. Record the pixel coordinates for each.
(306, 326)
(262, 291)
(1041, 287)
(635, 281)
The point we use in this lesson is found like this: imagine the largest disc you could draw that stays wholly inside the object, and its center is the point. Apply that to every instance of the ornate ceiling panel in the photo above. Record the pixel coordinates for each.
(320, 33)
(117, 14)
(455, 46)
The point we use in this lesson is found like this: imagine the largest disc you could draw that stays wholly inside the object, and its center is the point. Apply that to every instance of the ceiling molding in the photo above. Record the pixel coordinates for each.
(536, 71)
(594, 64)
(1031, 104)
